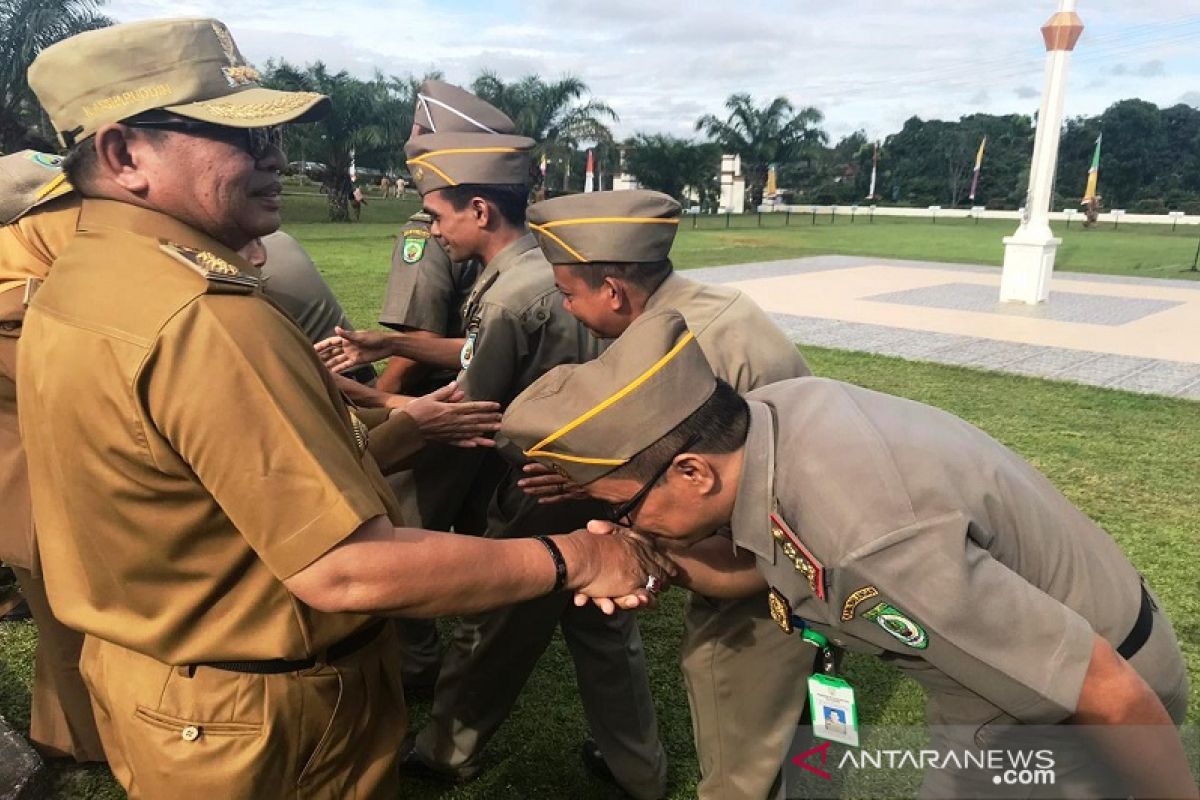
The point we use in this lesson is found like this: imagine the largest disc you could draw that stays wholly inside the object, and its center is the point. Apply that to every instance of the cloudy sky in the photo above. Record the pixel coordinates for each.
(866, 64)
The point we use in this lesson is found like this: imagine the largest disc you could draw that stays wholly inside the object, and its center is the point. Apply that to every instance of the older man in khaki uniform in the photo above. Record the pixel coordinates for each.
(475, 188)
(610, 252)
(889, 528)
(38, 214)
(211, 517)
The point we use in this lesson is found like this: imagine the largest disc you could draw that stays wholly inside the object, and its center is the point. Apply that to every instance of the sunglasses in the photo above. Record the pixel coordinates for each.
(258, 142)
(623, 514)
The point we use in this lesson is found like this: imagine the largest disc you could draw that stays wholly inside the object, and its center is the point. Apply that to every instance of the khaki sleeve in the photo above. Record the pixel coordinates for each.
(498, 344)
(420, 294)
(238, 394)
(943, 598)
(395, 442)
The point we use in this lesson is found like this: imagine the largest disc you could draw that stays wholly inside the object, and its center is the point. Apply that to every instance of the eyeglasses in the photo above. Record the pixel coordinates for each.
(623, 514)
(258, 142)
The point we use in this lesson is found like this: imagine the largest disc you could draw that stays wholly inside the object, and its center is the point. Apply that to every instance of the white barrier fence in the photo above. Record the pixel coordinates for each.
(933, 213)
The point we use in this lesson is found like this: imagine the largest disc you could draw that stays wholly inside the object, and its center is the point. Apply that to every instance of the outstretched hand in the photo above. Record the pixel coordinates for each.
(548, 486)
(349, 349)
(442, 416)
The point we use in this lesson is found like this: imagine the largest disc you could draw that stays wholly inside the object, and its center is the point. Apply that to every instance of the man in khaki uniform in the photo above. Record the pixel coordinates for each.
(610, 255)
(448, 488)
(211, 517)
(889, 528)
(475, 188)
(37, 214)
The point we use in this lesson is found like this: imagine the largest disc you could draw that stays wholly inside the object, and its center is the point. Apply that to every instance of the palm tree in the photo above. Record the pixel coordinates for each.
(551, 114)
(676, 167)
(26, 28)
(368, 121)
(774, 134)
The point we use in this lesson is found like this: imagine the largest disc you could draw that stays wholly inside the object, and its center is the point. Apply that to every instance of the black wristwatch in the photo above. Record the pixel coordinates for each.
(560, 563)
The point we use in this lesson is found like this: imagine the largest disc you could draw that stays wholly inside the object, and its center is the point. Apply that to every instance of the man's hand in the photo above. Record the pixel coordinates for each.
(441, 416)
(350, 348)
(548, 486)
(612, 566)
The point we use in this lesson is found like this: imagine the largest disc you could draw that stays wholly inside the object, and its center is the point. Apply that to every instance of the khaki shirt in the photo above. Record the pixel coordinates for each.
(187, 451)
(28, 247)
(517, 328)
(290, 278)
(426, 290)
(929, 544)
(740, 342)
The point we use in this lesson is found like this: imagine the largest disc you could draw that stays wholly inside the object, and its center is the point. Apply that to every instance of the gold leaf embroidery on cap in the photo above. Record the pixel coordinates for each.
(240, 76)
(281, 105)
(226, 42)
(857, 598)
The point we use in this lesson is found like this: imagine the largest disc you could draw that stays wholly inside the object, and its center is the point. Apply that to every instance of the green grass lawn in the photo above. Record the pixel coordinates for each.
(1127, 460)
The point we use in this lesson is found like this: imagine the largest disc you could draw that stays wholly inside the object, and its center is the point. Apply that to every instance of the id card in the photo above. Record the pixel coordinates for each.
(834, 712)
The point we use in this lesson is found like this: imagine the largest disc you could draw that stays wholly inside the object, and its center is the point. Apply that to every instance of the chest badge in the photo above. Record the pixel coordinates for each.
(804, 561)
(781, 610)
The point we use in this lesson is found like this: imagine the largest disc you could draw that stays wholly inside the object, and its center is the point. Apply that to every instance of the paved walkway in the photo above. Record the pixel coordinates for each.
(1135, 334)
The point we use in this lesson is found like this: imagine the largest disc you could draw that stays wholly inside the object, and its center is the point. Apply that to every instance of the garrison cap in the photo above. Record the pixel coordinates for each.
(28, 179)
(586, 420)
(626, 226)
(438, 160)
(445, 108)
(189, 67)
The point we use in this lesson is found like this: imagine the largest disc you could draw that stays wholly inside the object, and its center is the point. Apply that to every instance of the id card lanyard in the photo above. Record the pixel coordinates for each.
(830, 697)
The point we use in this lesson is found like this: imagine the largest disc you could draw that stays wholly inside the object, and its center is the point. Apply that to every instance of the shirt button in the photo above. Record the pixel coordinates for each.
(190, 734)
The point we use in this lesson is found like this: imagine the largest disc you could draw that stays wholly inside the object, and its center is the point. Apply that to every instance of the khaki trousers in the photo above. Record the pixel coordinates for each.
(331, 732)
(60, 720)
(746, 689)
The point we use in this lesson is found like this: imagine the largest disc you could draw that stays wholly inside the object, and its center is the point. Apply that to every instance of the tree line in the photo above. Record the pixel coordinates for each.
(1150, 161)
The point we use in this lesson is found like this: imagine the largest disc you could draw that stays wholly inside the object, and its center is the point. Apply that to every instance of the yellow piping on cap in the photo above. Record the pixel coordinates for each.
(610, 220)
(50, 186)
(608, 462)
(454, 151)
(654, 369)
(542, 230)
(421, 163)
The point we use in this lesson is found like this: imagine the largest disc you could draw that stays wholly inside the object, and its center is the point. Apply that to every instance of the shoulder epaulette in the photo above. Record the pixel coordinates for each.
(421, 216)
(221, 275)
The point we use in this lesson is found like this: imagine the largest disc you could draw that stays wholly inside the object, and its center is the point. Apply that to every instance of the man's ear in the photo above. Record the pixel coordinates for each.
(121, 158)
(696, 473)
(617, 296)
(482, 211)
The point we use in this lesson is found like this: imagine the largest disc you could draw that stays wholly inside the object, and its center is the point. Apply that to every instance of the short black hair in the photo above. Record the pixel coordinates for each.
(80, 164)
(720, 426)
(510, 199)
(646, 275)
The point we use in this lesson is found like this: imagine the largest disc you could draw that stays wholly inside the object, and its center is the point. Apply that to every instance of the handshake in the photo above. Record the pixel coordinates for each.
(614, 567)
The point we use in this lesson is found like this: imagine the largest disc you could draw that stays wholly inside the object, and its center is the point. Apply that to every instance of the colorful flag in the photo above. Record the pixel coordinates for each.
(589, 173)
(874, 171)
(1093, 173)
(978, 168)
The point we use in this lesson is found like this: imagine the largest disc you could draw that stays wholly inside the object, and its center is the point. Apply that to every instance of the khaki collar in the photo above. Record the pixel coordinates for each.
(666, 293)
(498, 265)
(751, 523)
(96, 213)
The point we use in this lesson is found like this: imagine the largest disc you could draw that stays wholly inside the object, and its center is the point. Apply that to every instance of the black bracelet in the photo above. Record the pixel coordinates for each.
(560, 563)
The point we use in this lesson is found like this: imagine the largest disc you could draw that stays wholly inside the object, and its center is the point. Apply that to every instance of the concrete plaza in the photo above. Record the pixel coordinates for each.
(1134, 334)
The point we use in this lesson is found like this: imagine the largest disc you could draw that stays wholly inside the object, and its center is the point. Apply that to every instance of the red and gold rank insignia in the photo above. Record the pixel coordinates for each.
(804, 561)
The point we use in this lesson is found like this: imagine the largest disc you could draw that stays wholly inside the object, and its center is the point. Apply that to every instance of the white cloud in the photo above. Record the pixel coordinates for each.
(865, 64)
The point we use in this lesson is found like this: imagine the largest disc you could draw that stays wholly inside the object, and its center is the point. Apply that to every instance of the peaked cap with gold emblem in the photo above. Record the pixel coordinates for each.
(438, 160)
(445, 108)
(189, 67)
(28, 179)
(626, 226)
(585, 420)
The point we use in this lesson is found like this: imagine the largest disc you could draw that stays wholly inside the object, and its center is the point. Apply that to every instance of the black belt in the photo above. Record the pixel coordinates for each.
(276, 666)
(1141, 629)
